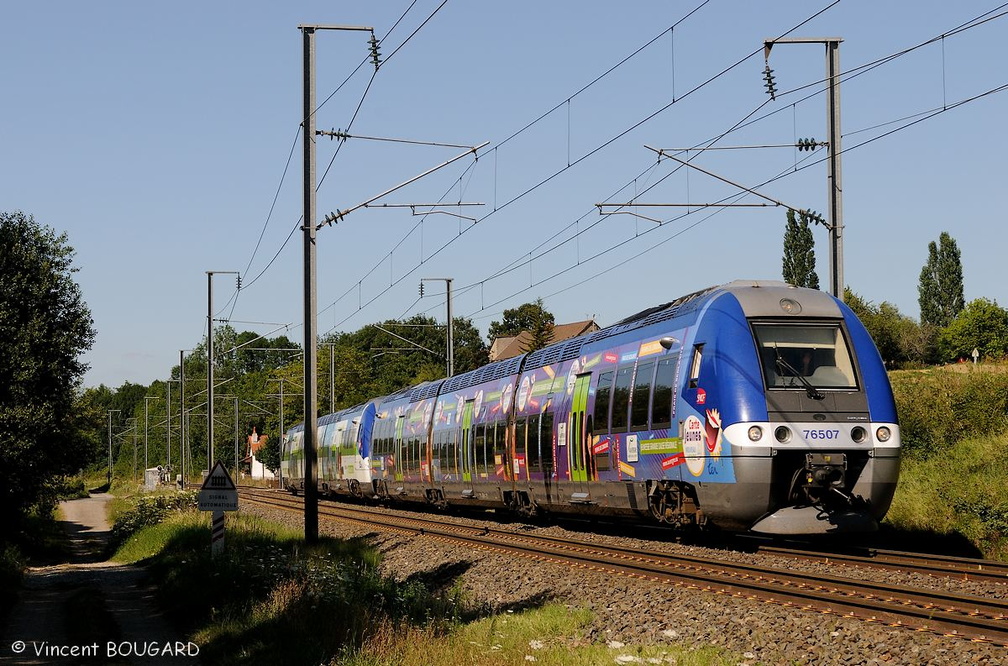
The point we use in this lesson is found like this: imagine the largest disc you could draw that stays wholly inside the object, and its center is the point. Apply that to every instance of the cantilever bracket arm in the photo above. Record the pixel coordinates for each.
(815, 217)
(340, 214)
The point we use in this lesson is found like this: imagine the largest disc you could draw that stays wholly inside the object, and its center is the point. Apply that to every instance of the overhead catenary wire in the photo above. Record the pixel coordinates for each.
(967, 25)
(652, 247)
(846, 150)
(524, 129)
(591, 152)
(364, 61)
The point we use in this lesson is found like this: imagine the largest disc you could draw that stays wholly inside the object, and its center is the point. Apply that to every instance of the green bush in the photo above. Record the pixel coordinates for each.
(151, 510)
(940, 407)
(11, 569)
(70, 488)
(256, 601)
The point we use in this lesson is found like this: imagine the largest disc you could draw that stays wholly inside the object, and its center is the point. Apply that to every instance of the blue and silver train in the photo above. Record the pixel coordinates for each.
(748, 406)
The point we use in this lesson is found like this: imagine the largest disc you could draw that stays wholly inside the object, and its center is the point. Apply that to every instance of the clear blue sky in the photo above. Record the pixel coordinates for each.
(156, 135)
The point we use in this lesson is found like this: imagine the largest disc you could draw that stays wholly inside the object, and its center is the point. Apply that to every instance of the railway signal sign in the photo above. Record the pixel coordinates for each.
(218, 492)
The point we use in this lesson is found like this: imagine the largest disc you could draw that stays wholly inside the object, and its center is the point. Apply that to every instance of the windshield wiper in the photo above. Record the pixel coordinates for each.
(812, 391)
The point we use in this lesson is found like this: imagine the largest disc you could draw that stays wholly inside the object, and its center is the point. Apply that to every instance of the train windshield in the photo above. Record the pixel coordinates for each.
(802, 355)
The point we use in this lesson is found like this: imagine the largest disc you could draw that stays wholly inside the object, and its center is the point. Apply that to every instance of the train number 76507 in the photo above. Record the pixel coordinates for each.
(821, 434)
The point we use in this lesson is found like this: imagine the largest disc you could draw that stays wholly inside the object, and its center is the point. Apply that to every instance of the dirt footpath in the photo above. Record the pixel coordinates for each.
(89, 611)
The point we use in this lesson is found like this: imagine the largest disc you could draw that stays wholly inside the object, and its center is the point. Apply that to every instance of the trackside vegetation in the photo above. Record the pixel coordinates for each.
(954, 477)
(269, 598)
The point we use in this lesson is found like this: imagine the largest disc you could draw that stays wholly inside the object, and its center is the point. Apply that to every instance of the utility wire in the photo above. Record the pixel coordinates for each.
(294, 146)
(527, 258)
(509, 138)
(860, 69)
(855, 72)
(605, 73)
(917, 118)
(269, 216)
(576, 162)
(662, 109)
(784, 174)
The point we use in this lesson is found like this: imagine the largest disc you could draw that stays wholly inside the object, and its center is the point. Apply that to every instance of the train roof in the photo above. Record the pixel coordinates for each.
(486, 373)
(772, 298)
(757, 298)
(568, 349)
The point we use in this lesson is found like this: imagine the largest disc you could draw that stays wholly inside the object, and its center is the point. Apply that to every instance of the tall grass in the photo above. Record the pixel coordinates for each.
(133, 514)
(270, 598)
(954, 476)
(554, 635)
(961, 491)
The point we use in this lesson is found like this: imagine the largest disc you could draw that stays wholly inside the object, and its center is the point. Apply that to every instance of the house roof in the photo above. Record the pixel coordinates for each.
(256, 442)
(509, 347)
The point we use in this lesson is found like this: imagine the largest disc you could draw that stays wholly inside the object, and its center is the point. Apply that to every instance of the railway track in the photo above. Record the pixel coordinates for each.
(960, 568)
(933, 611)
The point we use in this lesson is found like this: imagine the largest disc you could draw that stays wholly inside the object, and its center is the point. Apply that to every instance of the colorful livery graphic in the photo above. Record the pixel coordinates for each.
(749, 406)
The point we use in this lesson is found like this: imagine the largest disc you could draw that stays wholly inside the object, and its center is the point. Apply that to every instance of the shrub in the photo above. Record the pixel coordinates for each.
(940, 407)
(151, 510)
(70, 488)
(246, 604)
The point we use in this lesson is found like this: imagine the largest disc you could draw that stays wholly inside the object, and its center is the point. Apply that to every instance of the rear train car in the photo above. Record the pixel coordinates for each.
(749, 406)
(343, 443)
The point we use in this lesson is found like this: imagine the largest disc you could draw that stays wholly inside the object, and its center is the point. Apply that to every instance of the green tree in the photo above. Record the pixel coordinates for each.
(269, 455)
(541, 334)
(528, 317)
(799, 252)
(919, 342)
(900, 339)
(982, 325)
(45, 326)
(940, 289)
(256, 353)
(470, 350)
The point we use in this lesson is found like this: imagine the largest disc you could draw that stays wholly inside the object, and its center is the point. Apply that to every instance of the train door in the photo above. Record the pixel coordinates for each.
(399, 460)
(322, 463)
(579, 438)
(545, 422)
(466, 444)
(338, 448)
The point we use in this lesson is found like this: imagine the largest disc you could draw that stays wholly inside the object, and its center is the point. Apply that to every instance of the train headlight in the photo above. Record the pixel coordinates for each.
(783, 434)
(755, 433)
(859, 434)
(883, 434)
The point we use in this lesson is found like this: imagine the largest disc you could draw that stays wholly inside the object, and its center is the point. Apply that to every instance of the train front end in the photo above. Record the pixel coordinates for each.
(815, 438)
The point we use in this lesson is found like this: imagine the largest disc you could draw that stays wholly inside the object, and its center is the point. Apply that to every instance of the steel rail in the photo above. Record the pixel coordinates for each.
(937, 612)
(962, 568)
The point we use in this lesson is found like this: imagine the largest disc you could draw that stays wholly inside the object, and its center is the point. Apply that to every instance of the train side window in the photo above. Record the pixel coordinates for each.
(479, 446)
(621, 399)
(533, 457)
(500, 444)
(602, 460)
(661, 404)
(639, 402)
(694, 373)
(520, 444)
(546, 441)
(603, 394)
